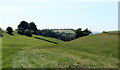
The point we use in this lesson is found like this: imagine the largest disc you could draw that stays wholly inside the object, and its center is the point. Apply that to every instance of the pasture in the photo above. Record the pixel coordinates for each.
(93, 51)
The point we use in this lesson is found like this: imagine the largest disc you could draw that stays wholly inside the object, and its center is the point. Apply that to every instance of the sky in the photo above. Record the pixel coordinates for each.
(96, 15)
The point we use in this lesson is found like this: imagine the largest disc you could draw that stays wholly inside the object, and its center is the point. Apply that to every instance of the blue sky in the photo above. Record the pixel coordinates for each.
(96, 15)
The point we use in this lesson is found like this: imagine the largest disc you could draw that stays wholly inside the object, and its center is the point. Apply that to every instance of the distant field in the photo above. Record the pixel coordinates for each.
(93, 51)
(114, 31)
(66, 31)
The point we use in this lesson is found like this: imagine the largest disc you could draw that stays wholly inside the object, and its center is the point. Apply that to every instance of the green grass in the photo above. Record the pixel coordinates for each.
(48, 38)
(14, 44)
(66, 31)
(94, 51)
(0, 53)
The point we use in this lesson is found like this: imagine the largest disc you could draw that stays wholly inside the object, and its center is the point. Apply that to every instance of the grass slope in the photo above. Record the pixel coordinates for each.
(96, 51)
(14, 44)
(0, 53)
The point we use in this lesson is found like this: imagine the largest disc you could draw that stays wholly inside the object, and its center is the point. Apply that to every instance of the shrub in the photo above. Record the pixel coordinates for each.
(34, 32)
(80, 33)
(20, 31)
(33, 26)
(10, 30)
(1, 32)
(28, 33)
(24, 25)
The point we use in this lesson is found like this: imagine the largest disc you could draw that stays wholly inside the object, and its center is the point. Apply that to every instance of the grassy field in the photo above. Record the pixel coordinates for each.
(14, 44)
(114, 31)
(66, 31)
(94, 51)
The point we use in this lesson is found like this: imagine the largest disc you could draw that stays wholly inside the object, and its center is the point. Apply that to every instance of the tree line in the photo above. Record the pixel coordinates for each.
(62, 36)
(25, 28)
(63, 29)
(28, 29)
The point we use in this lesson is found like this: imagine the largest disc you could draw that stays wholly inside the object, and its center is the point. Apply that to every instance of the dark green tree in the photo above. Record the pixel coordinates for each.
(79, 33)
(9, 30)
(86, 32)
(20, 31)
(28, 33)
(33, 26)
(24, 25)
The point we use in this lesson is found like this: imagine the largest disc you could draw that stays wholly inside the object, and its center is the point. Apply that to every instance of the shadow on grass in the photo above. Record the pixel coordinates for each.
(10, 34)
(45, 40)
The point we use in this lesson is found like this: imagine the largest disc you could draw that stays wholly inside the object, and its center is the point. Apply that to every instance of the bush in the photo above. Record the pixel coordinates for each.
(10, 30)
(28, 33)
(20, 31)
(80, 33)
(24, 25)
(34, 32)
(1, 32)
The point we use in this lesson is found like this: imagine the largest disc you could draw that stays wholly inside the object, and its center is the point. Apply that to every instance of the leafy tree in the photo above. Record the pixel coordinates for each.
(32, 31)
(10, 30)
(28, 33)
(78, 33)
(24, 25)
(86, 32)
(33, 26)
(20, 31)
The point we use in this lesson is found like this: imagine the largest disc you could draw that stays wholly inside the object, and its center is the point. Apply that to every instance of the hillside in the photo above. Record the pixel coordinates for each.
(14, 44)
(0, 52)
(96, 51)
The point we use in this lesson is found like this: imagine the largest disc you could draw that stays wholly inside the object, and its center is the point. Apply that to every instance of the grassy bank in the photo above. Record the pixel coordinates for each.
(96, 51)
